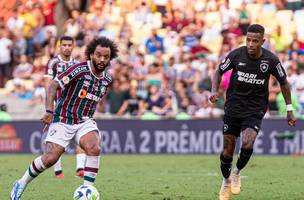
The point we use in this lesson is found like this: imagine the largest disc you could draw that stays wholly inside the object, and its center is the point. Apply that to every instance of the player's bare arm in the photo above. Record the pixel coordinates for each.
(285, 88)
(215, 86)
(49, 103)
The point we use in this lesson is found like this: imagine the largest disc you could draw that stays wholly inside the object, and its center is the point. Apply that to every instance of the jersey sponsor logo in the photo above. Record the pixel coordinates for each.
(242, 64)
(280, 70)
(225, 63)
(250, 78)
(78, 70)
(264, 67)
(84, 94)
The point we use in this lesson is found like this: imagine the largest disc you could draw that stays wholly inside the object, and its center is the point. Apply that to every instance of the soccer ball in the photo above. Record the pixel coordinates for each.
(86, 192)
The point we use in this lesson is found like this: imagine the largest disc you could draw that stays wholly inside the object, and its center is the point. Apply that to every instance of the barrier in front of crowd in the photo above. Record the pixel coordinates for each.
(158, 137)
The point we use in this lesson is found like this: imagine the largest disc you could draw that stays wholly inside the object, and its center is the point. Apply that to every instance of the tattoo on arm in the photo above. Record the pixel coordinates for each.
(50, 95)
(285, 88)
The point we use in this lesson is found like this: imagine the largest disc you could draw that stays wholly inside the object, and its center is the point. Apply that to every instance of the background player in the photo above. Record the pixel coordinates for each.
(57, 65)
(83, 85)
(246, 101)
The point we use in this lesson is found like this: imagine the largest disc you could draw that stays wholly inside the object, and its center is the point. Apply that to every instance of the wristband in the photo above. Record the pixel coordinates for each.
(289, 107)
(49, 111)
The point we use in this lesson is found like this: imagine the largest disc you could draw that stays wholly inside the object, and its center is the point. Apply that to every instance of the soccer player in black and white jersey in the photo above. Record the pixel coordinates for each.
(246, 102)
(55, 67)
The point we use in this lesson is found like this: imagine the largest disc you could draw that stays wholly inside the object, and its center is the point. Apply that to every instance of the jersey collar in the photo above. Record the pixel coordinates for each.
(71, 59)
(98, 77)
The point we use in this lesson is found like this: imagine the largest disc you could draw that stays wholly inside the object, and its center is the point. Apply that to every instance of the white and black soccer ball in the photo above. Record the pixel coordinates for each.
(86, 192)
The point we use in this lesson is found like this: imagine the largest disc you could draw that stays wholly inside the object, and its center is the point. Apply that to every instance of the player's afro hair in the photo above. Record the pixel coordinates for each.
(256, 28)
(103, 42)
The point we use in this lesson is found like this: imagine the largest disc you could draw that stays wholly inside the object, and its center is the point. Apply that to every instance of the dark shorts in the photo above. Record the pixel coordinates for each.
(234, 125)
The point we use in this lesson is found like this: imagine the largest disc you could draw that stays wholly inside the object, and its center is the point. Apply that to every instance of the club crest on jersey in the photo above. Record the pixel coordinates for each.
(88, 77)
(225, 127)
(103, 90)
(86, 83)
(65, 80)
(50, 71)
(264, 67)
(105, 83)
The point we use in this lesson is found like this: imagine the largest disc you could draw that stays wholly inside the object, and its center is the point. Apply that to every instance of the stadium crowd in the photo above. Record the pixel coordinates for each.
(169, 50)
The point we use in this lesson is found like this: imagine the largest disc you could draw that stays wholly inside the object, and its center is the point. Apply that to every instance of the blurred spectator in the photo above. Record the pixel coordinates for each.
(5, 57)
(4, 115)
(30, 24)
(175, 45)
(157, 103)
(115, 97)
(133, 105)
(155, 43)
(24, 69)
(20, 91)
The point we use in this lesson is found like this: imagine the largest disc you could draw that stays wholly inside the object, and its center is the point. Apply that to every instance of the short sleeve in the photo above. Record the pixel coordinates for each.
(50, 70)
(227, 63)
(278, 71)
(71, 74)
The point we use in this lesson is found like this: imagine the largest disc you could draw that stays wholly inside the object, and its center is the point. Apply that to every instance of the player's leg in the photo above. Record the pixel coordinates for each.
(248, 138)
(57, 139)
(226, 158)
(88, 138)
(38, 165)
(90, 142)
(58, 169)
(80, 161)
(231, 130)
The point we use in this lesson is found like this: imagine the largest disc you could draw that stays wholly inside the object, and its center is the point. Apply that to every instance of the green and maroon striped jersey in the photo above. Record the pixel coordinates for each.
(81, 92)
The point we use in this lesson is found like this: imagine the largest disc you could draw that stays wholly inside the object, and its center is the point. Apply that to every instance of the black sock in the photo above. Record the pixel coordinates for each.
(58, 172)
(79, 169)
(243, 158)
(225, 166)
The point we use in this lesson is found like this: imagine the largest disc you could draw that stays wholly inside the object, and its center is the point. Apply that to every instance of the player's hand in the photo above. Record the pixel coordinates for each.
(291, 119)
(214, 97)
(47, 118)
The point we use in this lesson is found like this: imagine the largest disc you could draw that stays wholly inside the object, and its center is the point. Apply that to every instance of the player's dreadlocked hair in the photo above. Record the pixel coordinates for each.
(256, 28)
(103, 42)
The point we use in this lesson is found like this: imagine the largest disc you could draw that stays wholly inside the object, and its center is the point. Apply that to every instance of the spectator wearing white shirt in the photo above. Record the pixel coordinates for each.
(5, 57)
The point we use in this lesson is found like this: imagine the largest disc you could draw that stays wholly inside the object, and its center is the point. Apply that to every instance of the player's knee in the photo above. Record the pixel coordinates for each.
(247, 146)
(93, 150)
(50, 159)
(227, 154)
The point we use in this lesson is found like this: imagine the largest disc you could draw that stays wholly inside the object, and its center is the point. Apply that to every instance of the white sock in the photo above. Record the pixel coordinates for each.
(236, 171)
(226, 181)
(33, 171)
(90, 170)
(57, 166)
(80, 160)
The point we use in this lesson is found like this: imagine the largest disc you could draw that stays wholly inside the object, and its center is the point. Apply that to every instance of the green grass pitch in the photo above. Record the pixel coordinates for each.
(168, 177)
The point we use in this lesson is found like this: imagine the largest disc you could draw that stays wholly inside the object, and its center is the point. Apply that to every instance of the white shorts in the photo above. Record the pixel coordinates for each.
(61, 133)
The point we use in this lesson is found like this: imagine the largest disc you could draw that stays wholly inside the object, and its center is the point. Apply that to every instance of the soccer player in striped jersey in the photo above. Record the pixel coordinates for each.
(83, 86)
(56, 66)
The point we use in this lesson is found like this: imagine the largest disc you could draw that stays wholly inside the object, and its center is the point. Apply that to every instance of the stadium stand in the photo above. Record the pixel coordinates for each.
(191, 40)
